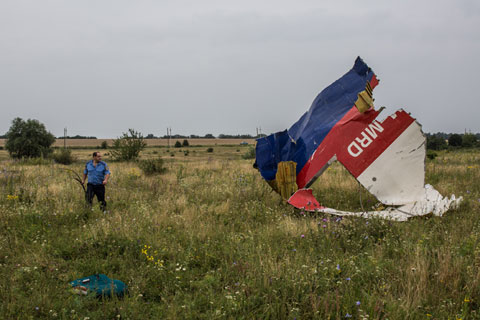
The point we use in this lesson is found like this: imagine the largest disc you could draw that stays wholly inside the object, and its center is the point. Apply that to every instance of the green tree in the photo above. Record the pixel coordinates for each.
(436, 142)
(185, 143)
(178, 144)
(28, 139)
(455, 140)
(128, 146)
(469, 140)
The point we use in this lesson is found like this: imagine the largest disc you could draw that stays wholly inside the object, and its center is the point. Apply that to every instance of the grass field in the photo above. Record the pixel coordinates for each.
(208, 239)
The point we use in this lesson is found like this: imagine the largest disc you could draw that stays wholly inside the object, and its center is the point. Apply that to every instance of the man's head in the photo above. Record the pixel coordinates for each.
(97, 156)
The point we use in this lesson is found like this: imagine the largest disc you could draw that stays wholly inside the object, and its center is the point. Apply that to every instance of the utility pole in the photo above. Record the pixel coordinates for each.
(65, 138)
(169, 134)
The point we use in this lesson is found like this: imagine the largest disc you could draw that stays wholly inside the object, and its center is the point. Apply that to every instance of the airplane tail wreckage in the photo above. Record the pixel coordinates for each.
(387, 158)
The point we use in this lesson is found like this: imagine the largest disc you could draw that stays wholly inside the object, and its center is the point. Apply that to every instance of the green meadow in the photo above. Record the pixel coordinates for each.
(208, 239)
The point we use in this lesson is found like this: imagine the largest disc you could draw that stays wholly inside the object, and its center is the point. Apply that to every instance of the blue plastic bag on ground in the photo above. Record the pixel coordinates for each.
(99, 285)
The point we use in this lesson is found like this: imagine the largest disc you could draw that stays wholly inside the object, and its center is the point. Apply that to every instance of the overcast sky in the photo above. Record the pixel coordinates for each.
(100, 67)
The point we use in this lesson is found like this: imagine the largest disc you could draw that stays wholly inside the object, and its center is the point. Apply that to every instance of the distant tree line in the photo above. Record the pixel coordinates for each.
(77, 137)
(207, 136)
(442, 140)
(179, 136)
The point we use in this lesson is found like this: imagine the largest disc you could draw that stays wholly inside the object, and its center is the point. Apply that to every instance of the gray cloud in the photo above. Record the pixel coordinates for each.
(100, 67)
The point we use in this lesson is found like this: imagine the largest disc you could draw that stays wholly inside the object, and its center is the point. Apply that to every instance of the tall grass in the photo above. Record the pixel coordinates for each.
(208, 239)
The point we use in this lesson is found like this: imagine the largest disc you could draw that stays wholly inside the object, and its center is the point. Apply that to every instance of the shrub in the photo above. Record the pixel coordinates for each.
(63, 156)
(152, 166)
(431, 154)
(185, 143)
(250, 154)
(28, 139)
(104, 144)
(210, 150)
(178, 144)
(128, 146)
(186, 152)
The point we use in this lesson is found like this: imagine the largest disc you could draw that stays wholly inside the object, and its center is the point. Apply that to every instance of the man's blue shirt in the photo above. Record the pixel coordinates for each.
(96, 174)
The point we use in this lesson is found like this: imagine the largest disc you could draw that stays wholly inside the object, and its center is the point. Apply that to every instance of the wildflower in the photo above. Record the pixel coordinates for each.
(348, 279)
(324, 220)
(429, 315)
(324, 226)
(338, 219)
(37, 308)
(348, 315)
(294, 250)
(466, 300)
(357, 303)
(11, 197)
(338, 267)
(303, 236)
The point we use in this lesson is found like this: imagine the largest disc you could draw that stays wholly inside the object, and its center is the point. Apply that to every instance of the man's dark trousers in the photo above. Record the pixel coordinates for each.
(99, 191)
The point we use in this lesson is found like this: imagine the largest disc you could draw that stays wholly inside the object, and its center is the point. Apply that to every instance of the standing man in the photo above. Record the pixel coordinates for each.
(98, 174)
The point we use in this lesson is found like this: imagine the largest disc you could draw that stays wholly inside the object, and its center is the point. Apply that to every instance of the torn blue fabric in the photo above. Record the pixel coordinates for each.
(302, 139)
